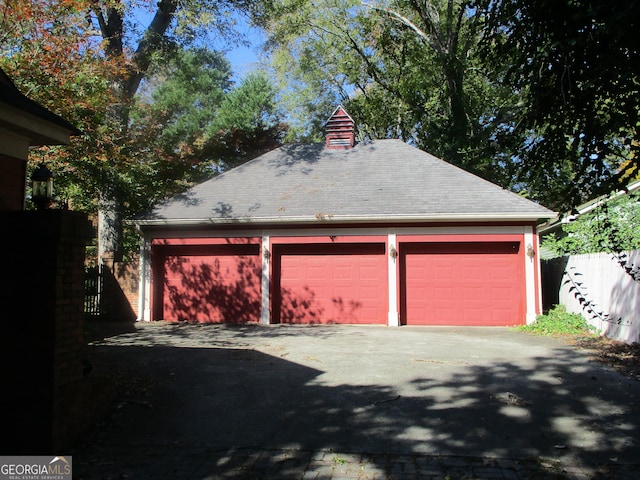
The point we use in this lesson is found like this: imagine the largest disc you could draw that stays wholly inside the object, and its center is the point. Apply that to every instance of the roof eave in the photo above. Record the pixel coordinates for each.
(40, 129)
(342, 219)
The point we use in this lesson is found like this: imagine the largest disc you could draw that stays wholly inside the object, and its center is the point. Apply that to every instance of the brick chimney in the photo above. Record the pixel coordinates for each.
(340, 129)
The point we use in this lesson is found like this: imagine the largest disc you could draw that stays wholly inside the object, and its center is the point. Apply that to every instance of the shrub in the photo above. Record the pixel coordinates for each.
(558, 321)
(611, 227)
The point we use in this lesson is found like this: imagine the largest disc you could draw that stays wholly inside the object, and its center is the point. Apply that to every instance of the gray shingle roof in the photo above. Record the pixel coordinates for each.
(379, 181)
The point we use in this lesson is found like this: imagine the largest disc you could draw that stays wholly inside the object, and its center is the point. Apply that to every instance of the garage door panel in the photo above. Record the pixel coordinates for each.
(331, 284)
(462, 283)
(224, 286)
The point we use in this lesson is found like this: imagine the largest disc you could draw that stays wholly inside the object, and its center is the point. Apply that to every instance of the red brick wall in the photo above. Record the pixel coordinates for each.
(12, 183)
(120, 291)
(42, 345)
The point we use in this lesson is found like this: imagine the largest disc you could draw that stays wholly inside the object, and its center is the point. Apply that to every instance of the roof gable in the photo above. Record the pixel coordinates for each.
(379, 181)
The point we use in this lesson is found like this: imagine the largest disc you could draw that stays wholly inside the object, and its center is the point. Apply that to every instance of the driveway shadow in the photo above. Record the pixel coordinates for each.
(183, 409)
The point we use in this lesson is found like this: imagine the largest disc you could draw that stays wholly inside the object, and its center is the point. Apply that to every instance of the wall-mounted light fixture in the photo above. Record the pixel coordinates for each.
(530, 252)
(42, 187)
(393, 253)
(266, 253)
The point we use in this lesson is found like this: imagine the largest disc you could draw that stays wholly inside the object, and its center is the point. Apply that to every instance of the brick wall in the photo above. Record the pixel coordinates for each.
(12, 183)
(120, 291)
(42, 343)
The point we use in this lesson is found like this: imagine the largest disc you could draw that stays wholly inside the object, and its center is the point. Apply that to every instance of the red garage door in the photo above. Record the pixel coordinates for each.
(333, 283)
(208, 283)
(462, 283)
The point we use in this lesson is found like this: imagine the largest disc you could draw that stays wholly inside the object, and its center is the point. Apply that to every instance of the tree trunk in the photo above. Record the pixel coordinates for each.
(125, 86)
(109, 228)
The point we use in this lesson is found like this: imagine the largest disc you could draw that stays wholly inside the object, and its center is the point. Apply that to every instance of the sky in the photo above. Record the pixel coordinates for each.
(245, 59)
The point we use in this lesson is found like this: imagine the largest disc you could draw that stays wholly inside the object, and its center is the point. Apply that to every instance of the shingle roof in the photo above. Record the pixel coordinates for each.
(378, 181)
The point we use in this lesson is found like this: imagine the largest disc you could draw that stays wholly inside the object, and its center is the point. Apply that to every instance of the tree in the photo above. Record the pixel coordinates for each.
(190, 122)
(173, 21)
(405, 69)
(576, 66)
(169, 119)
(247, 124)
(49, 52)
(98, 43)
(613, 227)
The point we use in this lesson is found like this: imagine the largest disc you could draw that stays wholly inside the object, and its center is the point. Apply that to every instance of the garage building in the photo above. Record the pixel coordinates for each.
(375, 232)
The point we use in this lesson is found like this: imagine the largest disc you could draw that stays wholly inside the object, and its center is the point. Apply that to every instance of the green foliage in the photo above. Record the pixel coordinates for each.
(612, 227)
(49, 51)
(169, 122)
(576, 65)
(247, 123)
(184, 92)
(250, 106)
(403, 71)
(537, 96)
(189, 123)
(86, 60)
(558, 321)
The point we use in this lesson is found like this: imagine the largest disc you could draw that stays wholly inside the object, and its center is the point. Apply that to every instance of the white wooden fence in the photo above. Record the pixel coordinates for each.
(603, 287)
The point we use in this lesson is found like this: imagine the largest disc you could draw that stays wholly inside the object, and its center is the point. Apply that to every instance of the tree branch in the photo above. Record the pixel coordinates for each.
(402, 19)
(111, 28)
(436, 45)
(151, 42)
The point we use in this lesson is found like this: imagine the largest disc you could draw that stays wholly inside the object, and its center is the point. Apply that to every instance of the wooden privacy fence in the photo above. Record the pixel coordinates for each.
(603, 287)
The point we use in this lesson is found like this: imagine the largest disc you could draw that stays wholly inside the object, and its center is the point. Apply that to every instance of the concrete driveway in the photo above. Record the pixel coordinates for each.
(207, 401)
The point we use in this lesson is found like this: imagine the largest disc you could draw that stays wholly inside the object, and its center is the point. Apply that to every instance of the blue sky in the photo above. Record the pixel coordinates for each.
(244, 59)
